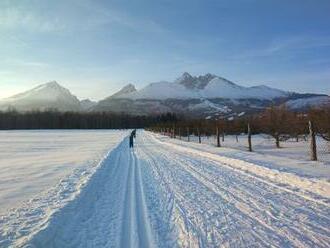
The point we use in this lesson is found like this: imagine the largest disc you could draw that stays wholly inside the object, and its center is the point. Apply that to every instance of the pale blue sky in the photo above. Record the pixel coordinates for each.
(94, 47)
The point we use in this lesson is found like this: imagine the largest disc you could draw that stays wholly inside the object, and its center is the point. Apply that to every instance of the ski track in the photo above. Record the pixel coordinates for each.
(157, 195)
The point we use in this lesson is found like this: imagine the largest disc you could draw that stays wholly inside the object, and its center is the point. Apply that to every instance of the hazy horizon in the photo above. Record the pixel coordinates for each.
(94, 48)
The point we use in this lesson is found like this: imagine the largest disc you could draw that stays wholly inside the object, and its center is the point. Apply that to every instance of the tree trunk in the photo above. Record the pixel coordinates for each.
(188, 134)
(277, 139)
(313, 141)
(249, 138)
(218, 137)
(199, 136)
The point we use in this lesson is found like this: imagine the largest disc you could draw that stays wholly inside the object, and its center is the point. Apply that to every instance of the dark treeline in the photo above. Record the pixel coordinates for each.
(279, 122)
(77, 120)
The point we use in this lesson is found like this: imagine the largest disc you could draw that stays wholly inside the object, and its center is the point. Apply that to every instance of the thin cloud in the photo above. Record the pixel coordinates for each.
(25, 63)
(86, 15)
(17, 18)
(106, 16)
(287, 45)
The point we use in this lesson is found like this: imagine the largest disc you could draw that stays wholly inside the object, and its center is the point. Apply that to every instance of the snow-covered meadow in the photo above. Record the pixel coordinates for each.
(33, 161)
(41, 170)
(88, 189)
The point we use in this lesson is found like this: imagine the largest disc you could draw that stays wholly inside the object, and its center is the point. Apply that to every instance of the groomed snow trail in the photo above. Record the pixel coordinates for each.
(111, 211)
(136, 227)
(164, 195)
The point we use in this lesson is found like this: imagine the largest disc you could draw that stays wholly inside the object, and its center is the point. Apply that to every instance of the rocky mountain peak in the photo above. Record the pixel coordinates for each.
(195, 82)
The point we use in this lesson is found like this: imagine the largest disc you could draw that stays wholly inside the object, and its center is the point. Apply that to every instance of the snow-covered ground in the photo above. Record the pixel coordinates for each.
(37, 165)
(171, 193)
(32, 161)
(265, 144)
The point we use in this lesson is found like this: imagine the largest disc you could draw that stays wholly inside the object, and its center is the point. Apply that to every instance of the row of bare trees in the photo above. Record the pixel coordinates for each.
(278, 122)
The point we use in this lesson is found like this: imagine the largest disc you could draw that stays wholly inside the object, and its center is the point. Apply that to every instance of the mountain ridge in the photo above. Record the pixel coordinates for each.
(203, 86)
(207, 95)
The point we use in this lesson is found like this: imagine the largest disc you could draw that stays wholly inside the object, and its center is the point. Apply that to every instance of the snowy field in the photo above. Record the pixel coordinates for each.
(36, 165)
(32, 161)
(170, 193)
(265, 144)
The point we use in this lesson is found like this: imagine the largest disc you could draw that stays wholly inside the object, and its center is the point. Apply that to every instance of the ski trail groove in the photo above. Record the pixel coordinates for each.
(136, 231)
(128, 231)
(110, 211)
(145, 235)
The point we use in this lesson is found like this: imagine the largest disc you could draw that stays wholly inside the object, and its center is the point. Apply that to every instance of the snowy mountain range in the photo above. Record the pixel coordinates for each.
(208, 96)
(207, 86)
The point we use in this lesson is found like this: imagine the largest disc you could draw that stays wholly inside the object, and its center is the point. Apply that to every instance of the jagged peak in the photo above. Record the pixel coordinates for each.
(129, 86)
(127, 89)
(193, 82)
(186, 75)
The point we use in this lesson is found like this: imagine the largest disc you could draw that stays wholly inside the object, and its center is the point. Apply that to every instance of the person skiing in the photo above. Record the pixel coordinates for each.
(131, 141)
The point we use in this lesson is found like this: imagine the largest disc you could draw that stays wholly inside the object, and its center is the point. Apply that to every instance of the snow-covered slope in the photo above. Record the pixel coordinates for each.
(130, 88)
(219, 87)
(87, 104)
(205, 86)
(304, 103)
(162, 90)
(50, 95)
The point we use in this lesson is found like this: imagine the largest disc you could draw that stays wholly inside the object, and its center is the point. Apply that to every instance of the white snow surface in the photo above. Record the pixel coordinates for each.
(294, 153)
(41, 170)
(32, 161)
(162, 90)
(170, 193)
(218, 87)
